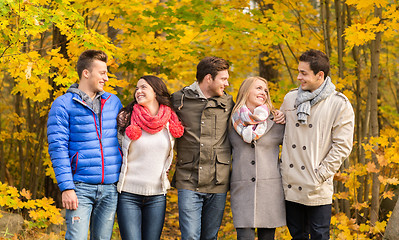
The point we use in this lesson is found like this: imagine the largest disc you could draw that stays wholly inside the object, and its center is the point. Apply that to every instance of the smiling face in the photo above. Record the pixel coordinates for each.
(96, 76)
(145, 95)
(216, 86)
(257, 95)
(308, 79)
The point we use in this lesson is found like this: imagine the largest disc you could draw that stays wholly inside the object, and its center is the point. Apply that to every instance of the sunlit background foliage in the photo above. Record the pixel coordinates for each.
(40, 41)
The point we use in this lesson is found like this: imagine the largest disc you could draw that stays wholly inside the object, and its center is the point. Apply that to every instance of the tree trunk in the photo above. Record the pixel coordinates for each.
(392, 230)
(375, 49)
(2, 159)
(340, 27)
(267, 70)
(358, 132)
(51, 188)
(18, 105)
(325, 22)
(340, 21)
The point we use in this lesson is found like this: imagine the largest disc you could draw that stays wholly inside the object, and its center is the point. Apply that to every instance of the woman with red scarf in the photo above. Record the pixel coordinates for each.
(147, 129)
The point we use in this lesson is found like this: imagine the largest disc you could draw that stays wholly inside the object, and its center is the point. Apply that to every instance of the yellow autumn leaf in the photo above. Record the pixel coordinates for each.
(25, 193)
(3, 201)
(382, 160)
(371, 168)
(13, 191)
(364, 227)
(388, 194)
(173, 198)
(379, 227)
(31, 204)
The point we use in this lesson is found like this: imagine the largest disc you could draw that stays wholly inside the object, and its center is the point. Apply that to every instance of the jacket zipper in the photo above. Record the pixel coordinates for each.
(99, 135)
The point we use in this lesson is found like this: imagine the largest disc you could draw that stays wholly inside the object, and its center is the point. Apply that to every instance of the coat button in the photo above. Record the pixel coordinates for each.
(289, 186)
(253, 179)
(304, 147)
(303, 167)
(300, 188)
(293, 146)
(291, 165)
(297, 124)
(310, 125)
(253, 162)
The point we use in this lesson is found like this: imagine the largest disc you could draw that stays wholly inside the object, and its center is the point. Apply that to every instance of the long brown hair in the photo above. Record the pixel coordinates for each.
(161, 95)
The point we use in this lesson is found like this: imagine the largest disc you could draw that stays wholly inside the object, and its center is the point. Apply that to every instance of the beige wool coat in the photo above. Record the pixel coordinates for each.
(312, 153)
(257, 197)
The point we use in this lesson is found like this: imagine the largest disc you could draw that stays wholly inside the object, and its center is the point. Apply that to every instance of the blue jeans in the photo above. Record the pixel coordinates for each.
(304, 221)
(141, 217)
(200, 214)
(97, 206)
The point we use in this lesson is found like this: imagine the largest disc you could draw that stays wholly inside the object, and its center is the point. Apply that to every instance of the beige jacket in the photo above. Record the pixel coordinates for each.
(314, 152)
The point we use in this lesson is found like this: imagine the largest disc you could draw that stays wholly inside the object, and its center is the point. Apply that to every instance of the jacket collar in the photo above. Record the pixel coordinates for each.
(194, 91)
(74, 89)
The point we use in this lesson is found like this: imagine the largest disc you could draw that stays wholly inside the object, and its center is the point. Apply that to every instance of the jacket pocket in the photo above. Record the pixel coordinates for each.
(184, 166)
(74, 162)
(223, 162)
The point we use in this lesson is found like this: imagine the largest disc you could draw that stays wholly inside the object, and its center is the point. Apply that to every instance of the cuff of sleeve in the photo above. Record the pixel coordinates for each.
(321, 174)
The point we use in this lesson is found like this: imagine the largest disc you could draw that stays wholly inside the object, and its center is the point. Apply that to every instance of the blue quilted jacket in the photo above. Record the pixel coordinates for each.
(84, 147)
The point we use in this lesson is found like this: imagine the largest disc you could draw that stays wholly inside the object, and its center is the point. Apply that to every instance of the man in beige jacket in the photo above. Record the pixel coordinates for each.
(318, 138)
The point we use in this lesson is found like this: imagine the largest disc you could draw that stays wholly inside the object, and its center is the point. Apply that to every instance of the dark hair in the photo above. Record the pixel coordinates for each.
(318, 61)
(210, 65)
(161, 95)
(86, 59)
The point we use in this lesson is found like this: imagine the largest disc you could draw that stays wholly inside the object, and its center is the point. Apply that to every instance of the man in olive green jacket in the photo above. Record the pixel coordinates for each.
(203, 152)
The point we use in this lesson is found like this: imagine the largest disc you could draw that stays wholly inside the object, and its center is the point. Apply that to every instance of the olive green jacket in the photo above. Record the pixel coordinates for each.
(203, 152)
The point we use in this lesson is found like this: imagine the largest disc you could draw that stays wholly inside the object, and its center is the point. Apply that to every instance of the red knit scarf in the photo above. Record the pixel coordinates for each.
(142, 119)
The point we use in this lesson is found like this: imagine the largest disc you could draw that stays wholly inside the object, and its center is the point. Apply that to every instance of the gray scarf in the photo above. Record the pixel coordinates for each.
(306, 99)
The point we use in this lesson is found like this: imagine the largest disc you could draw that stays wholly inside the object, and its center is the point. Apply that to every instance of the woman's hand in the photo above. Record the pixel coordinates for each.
(279, 117)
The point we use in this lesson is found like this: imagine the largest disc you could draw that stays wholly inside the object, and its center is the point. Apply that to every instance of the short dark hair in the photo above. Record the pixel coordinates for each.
(86, 59)
(162, 96)
(210, 65)
(318, 61)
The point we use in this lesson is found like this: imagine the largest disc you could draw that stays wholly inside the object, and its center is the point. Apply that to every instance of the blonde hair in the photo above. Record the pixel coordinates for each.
(243, 93)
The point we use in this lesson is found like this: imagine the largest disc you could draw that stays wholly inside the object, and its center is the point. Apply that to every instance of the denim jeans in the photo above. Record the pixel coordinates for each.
(308, 222)
(200, 214)
(141, 217)
(97, 206)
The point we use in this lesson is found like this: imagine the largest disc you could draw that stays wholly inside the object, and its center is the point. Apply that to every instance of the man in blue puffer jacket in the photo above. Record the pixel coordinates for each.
(84, 150)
